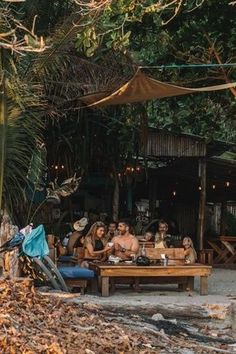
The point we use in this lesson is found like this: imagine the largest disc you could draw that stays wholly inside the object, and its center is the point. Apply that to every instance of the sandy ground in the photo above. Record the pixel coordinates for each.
(222, 290)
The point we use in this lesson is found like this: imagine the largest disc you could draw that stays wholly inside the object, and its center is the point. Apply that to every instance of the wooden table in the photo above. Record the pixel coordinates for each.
(225, 249)
(107, 271)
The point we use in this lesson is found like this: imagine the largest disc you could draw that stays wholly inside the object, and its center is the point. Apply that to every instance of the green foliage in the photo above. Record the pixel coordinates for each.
(21, 115)
(136, 29)
(113, 27)
(23, 128)
(139, 33)
(190, 38)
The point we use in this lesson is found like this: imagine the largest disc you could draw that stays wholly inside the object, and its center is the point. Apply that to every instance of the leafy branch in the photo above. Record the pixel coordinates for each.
(14, 36)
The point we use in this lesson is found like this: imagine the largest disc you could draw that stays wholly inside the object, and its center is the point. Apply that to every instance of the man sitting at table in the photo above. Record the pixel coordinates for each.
(125, 244)
(112, 230)
(162, 239)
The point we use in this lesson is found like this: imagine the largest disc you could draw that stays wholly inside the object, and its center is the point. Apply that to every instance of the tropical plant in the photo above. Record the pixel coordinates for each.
(97, 46)
(20, 107)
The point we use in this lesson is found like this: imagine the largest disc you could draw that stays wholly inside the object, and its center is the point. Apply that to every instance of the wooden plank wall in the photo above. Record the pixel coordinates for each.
(163, 145)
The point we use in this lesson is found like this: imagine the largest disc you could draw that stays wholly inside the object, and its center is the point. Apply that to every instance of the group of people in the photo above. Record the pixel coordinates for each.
(164, 240)
(99, 241)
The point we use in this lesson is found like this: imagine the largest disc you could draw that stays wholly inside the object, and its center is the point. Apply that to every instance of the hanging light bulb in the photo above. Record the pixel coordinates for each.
(56, 167)
(200, 188)
(213, 186)
(174, 193)
(62, 166)
(227, 184)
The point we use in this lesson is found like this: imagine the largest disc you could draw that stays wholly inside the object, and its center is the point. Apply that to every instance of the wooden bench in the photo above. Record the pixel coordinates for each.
(206, 256)
(146, 244)
(173, 254)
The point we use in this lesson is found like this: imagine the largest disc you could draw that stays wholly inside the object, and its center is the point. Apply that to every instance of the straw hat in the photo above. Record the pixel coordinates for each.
(80, 224)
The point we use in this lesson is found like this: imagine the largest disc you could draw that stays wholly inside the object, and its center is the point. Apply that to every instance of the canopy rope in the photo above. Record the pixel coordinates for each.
(177, 66)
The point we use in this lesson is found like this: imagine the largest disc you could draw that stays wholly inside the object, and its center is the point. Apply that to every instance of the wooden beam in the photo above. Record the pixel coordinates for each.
(202, 203)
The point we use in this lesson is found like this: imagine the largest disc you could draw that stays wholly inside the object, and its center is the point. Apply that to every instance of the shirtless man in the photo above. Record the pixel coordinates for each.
(125, 244)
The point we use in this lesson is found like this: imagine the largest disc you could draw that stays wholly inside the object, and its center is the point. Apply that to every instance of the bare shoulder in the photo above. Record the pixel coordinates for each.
(134, 238)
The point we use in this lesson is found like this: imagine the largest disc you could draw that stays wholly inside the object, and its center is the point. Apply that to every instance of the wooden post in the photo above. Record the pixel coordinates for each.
(233, 315)
(223, 218)
(202, 202)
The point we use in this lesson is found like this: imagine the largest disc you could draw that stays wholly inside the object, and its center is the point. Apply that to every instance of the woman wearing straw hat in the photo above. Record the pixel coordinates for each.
(73, 239)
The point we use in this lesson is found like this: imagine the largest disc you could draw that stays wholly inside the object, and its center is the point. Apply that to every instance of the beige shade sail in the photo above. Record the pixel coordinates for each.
(142, 88)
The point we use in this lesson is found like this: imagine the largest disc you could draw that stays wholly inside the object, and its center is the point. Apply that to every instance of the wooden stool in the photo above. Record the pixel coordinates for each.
(206, 256)
(76, 277)
(77, 283)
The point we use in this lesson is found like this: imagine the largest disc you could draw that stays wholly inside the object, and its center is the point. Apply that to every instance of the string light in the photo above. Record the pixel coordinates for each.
(213, 186)
(227, 184)
(62, 166)
(174, 193)
(200, 188)
(56, 167)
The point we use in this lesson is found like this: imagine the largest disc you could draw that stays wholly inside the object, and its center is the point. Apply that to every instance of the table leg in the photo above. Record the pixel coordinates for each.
(105, 286)
(181, 287)
(190, 284)
(204, 285)
(136, 285)
(231, 259)
(221, 254)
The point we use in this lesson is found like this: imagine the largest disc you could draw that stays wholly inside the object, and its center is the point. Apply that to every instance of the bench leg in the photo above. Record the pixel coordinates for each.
(105, 286)
(82, 290)
(204, 285)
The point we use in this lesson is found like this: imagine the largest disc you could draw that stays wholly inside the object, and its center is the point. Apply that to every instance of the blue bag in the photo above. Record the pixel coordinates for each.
(35, 244)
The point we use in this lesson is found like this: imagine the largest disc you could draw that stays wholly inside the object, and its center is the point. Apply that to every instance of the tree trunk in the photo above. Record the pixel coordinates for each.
(9, 261)
(116, 198)
(3, 124)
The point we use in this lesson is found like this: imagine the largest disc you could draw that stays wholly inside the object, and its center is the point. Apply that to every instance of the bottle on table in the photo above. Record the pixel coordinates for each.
(143, 251)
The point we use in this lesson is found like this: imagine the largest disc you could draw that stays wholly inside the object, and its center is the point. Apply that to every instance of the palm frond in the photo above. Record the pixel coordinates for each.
(23, 130)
